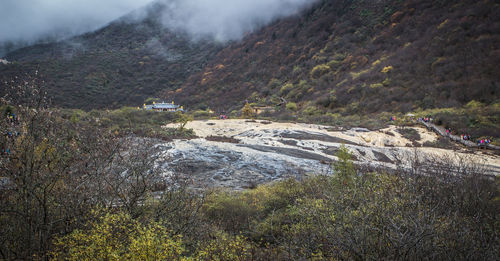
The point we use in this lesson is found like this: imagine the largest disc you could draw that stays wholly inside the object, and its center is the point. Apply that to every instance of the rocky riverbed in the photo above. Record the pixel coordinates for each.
(240, 154)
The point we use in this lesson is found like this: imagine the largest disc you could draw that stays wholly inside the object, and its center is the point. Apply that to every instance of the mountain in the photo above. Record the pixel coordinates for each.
(348, 56)
(120, 64)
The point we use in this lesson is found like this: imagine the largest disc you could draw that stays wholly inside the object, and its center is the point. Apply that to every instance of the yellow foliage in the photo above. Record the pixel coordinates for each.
(438, 61)
(341, 83)
(319, 70)
(386, 82)
(292, 106)
(319, 58)
(247, 111)
(387, 69)
(441, 25)
(355, 75)
(474, 105)
(286, 88)
(224, 247)
(118, 237)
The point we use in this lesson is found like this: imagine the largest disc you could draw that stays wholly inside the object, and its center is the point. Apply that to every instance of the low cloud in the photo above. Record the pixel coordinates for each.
(30, 21)
(226, 19)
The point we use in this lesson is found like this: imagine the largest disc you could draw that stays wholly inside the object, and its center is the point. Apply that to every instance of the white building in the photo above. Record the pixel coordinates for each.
(162, 106)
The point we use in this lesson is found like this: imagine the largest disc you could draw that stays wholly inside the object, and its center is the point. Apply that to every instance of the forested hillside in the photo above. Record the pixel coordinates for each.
(342, 56)
(118, 65)
(363, 56)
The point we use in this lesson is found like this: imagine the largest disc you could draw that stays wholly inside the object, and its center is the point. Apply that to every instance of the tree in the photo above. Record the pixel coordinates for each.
(57, 170)
(118, 237)
(344, 171)
(247, 111)
(183, 119)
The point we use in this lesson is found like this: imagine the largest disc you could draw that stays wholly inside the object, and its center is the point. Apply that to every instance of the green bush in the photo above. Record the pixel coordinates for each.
(311, 110)
(285, 89)
(319, 70)
(201, 114)
(291, 106)
(118, 237)
(274, 83)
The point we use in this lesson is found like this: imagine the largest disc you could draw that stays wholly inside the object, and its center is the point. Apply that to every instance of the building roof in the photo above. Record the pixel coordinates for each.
(162, 106)
(165, 106)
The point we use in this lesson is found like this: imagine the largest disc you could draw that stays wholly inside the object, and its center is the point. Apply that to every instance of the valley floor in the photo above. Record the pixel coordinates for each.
(241, 154)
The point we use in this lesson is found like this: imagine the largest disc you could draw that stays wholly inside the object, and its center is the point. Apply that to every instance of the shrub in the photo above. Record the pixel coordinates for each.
(339, 57)
(311, 110)
(285, 89)
(118, 237)
(299, 90)
(377, 62)
(386, 82)
(319, 70)
(292, 106)
(474, 105)
(333, 64)
(356, 75)
(225, 247)
(409, 133)
(387, 69)
(274, 83)
(376, 85)
(201, 114)
(296, 69)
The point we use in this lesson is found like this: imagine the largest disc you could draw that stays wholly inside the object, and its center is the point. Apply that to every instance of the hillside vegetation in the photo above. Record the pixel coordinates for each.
(345, 56)
(85, 186)
(362, 56)
(75, 190)
(120, 64)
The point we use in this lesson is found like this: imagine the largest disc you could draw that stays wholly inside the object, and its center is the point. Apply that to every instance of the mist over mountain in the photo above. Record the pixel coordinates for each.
(225, 20)
(24, 22)
(33, 22)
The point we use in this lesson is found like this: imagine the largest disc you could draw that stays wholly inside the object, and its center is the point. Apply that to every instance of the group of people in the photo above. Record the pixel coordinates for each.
(5, 151)
(222, 117)
(11, 134)
(465, 136)
(12, 118)
(483, 142)
(425, 119)
(480, 142)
